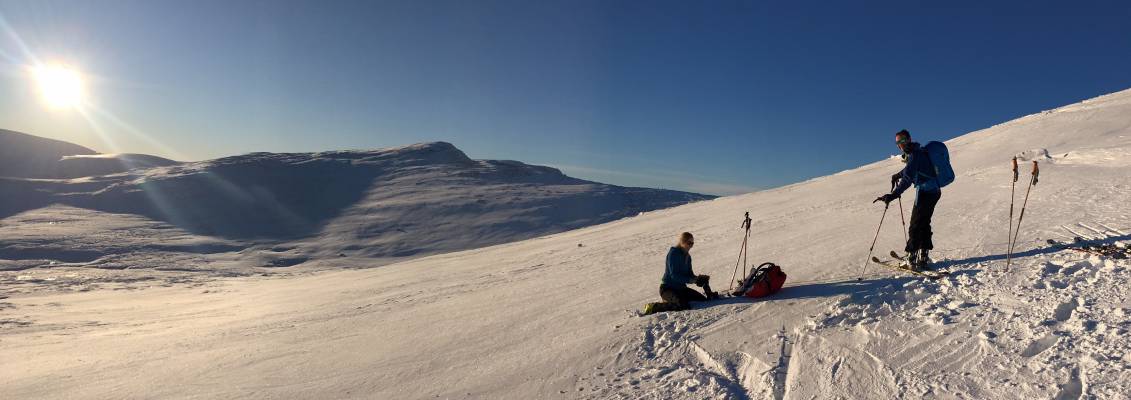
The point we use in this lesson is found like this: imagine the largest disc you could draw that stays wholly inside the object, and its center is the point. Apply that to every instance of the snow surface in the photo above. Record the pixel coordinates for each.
(75, 166)
(555, 316)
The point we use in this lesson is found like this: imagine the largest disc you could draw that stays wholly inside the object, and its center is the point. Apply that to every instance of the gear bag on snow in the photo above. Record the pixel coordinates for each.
(763, 281)
(939, 157)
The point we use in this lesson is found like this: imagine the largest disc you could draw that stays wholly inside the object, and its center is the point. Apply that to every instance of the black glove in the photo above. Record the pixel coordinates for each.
(702, 280)
(887, 198)
(895, 178)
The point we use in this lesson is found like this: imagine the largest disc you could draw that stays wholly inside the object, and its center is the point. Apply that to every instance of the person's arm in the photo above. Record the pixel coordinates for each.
(691, 272)
(679, 266)
(905, 177)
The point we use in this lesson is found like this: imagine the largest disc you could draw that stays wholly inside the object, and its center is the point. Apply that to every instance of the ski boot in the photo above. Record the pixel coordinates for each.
(649, 309)
(925, 260)
(911, 262)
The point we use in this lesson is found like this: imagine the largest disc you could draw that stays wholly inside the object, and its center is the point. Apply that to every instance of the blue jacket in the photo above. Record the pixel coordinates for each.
(919, 172)
(678, 271)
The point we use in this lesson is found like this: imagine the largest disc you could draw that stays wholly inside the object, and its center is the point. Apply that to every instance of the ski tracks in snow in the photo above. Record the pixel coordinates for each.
(665, 360)
(1054, 326)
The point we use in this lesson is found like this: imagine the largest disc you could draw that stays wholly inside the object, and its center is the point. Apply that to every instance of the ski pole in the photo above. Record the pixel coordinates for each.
(865, 266)
(745, 244)
(1012, 197)
(741, 252)
(903, 220)
(1016, 232)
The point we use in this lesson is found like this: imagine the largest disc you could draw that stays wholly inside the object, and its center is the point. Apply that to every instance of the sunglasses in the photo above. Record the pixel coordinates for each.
(902, 143)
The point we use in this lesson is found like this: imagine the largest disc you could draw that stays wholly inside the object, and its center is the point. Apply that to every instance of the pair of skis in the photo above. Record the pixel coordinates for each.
(899, 266)
(1079, 244)
(892, 264)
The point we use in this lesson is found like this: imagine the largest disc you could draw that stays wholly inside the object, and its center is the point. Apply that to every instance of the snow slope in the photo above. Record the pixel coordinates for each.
(80, 165)
(23, 155)
(554, 317)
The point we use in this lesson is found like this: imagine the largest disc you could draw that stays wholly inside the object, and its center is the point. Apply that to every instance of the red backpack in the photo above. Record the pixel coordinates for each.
(763, 281)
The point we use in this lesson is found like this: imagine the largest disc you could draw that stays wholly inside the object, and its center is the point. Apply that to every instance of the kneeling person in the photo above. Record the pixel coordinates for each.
(677, 274)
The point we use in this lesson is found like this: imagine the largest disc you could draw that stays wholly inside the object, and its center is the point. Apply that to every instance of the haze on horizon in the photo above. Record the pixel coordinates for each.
(716, 98)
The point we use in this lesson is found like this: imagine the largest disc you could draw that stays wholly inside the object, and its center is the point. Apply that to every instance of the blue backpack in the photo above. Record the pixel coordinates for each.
(939, 157)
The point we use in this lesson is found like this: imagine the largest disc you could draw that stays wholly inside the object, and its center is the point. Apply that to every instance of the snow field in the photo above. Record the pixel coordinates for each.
(555, 316)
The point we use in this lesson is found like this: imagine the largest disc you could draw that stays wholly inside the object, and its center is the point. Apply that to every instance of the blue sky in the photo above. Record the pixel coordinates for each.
(717, 96)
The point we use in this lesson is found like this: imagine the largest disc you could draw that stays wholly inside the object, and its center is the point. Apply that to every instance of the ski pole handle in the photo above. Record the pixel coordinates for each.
(1015, 169)
(1036, 172)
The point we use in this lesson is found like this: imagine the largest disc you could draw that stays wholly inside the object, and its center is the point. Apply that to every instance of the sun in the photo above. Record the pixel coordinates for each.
(59, 86)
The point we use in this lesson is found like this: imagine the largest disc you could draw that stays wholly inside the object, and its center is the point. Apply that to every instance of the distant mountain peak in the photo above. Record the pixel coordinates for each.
(427, 153)
(433, 152)
(29, 156)
(430, 146)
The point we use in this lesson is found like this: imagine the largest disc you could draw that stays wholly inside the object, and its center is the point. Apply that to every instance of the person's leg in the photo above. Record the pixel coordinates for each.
(688, 295)
(915, 227)
(929, 200)
(662, 306)
(673, 299)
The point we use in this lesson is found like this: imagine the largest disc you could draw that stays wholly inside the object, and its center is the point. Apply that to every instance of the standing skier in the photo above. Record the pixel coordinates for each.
(677, 274)
(918, 171)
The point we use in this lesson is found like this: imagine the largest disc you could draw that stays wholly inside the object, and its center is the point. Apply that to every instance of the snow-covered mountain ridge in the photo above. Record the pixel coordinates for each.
(555, 316)
(282, 209)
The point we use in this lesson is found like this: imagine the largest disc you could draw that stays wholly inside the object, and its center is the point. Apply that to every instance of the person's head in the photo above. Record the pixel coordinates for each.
(903, 140)
(686, 240)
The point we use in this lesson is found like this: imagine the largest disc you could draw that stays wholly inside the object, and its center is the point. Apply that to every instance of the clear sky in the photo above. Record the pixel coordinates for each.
(709, 96)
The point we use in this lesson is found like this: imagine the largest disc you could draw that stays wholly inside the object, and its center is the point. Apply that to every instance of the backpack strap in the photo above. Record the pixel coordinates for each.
(761, 270)
(931, 166)
(938, 184)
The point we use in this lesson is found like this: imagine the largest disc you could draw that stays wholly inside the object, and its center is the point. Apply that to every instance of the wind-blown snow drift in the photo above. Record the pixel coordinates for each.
(547, 318)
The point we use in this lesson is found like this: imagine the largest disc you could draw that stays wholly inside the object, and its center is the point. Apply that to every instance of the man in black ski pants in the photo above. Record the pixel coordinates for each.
(677, 274)
(918, 171)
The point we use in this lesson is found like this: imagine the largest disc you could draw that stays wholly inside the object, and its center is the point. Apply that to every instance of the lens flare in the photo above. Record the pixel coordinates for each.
(59, 86)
